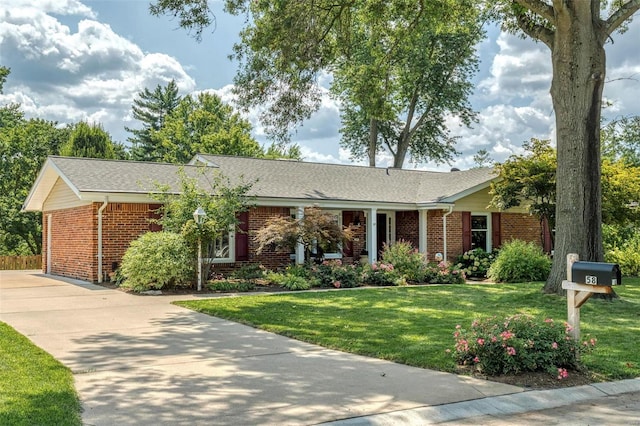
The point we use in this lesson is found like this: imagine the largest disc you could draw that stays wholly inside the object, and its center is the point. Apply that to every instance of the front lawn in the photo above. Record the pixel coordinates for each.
(415, 325)
(35, 389)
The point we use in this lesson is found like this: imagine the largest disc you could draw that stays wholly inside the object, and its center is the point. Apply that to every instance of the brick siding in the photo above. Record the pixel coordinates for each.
(74, 242)
(407, 228)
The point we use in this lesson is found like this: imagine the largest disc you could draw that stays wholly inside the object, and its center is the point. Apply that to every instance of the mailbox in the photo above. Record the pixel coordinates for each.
(596, 273)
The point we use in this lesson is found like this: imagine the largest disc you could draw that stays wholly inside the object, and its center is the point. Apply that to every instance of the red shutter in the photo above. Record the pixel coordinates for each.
(496, 232)
(242, 237)
(347, 220)
(466, 231)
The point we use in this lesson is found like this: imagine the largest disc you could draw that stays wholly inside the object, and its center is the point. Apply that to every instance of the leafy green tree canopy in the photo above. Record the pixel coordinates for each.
(203, 124)
(391, 62)
(90, 141)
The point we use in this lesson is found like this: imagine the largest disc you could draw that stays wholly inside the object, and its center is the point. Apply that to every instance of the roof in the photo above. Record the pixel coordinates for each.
(273, 179)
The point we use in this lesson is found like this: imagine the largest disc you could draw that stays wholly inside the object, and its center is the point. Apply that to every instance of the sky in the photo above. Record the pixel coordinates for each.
(75, 60)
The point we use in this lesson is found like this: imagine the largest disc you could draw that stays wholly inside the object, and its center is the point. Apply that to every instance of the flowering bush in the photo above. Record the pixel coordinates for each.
(382, 274)
(475, 263)
(518, 343)
(444, 273)
(332, 273)
(407, 261)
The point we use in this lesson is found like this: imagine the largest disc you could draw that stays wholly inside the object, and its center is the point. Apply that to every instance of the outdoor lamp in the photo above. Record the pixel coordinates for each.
(199, 216)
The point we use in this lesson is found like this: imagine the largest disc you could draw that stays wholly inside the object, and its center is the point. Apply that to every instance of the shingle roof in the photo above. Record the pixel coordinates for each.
(298, 179)
(276, 179)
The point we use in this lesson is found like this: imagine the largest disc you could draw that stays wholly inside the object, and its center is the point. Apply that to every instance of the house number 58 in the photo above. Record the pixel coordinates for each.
(590, 279)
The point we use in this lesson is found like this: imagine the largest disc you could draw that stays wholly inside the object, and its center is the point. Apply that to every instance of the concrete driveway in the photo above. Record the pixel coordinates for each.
(140, 360)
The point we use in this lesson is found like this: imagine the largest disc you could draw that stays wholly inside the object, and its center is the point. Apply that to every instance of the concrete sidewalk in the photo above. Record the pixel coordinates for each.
(140, 360)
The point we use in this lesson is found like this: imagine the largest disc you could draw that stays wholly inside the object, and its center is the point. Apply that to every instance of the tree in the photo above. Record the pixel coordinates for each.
(24, 146)
(4, 73)
(529, 179)
(391, 62)
(281, 151)
(575, 33)
(621, 140)
(203, 124)
(482, 159)
(151, 109)
(90, 141)
(316, 228)
(398, 80)
(213, 192)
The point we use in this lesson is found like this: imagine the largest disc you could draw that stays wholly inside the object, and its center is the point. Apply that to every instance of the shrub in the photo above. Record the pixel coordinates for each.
(405, 259)
(289, 281)
(624, 249)
(157, 260)
(332, 273)
(475, 263)
(250, 271)
(519, 261)
(231, 286)
(444, 273)
(382, 274)
(516, 344)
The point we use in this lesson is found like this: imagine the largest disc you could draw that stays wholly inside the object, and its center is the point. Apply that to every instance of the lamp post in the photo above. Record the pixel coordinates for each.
(199, 216)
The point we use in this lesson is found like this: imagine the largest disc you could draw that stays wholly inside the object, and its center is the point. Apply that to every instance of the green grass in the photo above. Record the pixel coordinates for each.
(415, 325)
(35, 389)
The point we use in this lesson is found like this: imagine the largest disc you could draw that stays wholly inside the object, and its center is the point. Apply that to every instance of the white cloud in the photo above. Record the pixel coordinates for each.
(89, 73)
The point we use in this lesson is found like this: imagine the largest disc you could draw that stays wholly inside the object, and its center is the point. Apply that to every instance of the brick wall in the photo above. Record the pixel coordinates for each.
(270, 258)
(74, 237)
(435, 239)
(520, 226)
(121, 224)
(74, 242)
(407, 228)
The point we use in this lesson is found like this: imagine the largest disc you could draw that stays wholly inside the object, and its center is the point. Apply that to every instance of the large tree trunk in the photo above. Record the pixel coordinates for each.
(579, 65)
(401, 150)
(373, 141)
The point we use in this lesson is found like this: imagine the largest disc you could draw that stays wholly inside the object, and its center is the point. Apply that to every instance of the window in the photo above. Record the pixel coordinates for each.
(480, 232)
(223, 248)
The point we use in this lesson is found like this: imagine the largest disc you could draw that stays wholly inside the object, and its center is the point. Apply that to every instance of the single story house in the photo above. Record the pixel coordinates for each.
(92, 209)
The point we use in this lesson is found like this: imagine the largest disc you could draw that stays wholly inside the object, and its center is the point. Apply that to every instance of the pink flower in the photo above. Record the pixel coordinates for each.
(511, 351)
(593, 342)
(549, 321)
(480, 341)
(562, 373)
(337, 284)
(506, 335)
(554, 345)
(494, 339)
(476, 359)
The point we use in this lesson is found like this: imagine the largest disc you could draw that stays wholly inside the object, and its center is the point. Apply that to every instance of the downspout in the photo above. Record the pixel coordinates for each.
(100, 210)
(444, 231)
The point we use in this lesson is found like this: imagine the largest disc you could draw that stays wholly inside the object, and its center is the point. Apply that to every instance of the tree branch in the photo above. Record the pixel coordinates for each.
(535, 31)
(622, 14)
(539, 8)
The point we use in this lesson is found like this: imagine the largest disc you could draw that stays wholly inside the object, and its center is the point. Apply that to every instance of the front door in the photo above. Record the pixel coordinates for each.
(385, 230)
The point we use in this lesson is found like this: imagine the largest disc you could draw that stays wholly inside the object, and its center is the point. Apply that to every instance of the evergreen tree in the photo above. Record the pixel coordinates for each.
(151, 108)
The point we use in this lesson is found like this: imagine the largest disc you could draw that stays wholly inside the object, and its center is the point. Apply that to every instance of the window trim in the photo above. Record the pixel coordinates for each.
(489, 238)
(232, 251)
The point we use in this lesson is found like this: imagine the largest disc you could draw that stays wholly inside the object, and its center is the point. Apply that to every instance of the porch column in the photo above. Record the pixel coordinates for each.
(372, 234)
(422, 231)
(300, 247)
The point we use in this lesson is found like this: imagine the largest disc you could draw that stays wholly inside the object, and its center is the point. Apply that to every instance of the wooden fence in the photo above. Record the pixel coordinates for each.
(20, 262)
